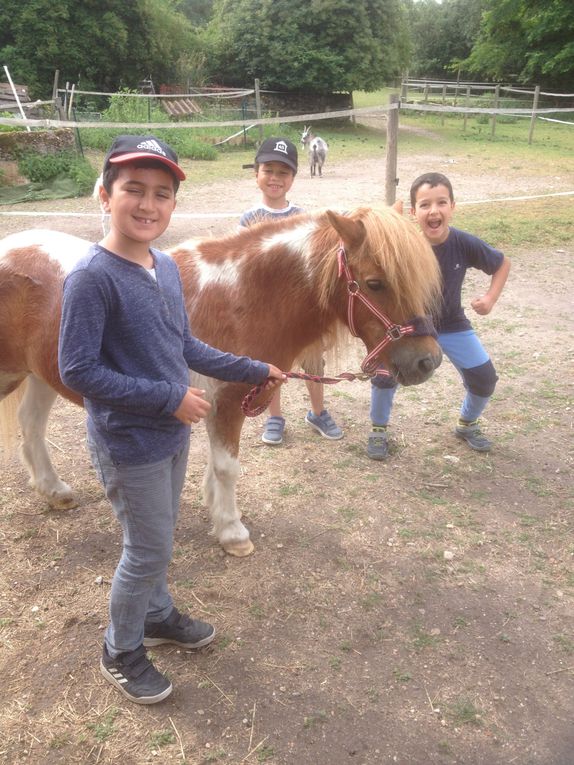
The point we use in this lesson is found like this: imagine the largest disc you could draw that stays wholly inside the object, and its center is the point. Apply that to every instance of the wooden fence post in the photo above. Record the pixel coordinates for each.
(391, 179)
(467, 103)
(496, 103)
(405, 86)
(443, 103)
(258, 109)
(533, 118)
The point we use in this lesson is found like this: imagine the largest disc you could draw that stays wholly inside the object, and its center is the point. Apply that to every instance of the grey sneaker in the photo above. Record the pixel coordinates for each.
(179, 629)
(135, 676)
(324, 424)
(378, 445)
(473, 436)
(273, 433)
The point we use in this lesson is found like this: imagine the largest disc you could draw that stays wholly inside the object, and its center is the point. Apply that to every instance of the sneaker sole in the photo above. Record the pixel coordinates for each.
(472, 446)
(271, 443)
(377, 457)
(136, 699)
(322, 432)
(150, 642)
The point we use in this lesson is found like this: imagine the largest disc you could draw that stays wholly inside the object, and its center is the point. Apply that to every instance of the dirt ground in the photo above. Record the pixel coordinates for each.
(414, 611)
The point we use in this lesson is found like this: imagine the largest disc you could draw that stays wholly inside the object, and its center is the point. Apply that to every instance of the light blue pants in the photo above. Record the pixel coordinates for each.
(466, 352)
(145, 500)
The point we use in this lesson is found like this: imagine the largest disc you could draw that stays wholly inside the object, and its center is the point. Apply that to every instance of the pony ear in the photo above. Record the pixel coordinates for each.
(398, 206)
(352, 232)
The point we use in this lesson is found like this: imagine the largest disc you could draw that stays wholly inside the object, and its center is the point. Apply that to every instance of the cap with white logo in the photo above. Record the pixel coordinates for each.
(127, 148)
(277, 150)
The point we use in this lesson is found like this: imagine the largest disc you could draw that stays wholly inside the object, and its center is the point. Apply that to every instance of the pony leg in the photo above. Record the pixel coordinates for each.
(219, 484)
(219, 495)
(33, 415)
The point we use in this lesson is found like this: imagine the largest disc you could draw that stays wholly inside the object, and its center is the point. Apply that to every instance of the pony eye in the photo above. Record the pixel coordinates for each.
(375, 284)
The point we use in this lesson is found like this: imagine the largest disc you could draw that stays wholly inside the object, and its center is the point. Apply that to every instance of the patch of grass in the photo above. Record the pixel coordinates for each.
(464, 712)
(59, 742)
(335, 663)
(565, 643)
(538, 487)
(215, 756)
(401, 676)
(289, 490)
(309, 721)
(373, 694)
(161, 738)
(347, 513)
(265, 753)
(421, 639)
(103, 729)
(370, 601)
(257, 611)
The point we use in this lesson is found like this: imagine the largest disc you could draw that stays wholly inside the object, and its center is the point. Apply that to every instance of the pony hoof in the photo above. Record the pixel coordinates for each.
(239, 549)
(62, 503)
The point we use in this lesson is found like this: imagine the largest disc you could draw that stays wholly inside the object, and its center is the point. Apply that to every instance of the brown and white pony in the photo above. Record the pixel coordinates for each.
(270, 292)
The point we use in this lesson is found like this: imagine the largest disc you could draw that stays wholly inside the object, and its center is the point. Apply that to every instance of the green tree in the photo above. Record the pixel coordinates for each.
(197, 11)
(530, 40)
(319, 45)
(101, 43)
(442, 34)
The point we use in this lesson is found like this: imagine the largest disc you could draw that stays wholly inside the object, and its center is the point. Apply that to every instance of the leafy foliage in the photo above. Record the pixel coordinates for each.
(530, 40)
(41, 168)
(316, 45)
(95, 43)
(443, 34)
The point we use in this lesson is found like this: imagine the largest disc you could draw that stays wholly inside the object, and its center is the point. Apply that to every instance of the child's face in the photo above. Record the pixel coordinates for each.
(433, 210)
(274, 179)
(141, 202)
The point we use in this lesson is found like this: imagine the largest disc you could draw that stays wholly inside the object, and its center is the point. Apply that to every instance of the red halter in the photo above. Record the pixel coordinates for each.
(394, 331)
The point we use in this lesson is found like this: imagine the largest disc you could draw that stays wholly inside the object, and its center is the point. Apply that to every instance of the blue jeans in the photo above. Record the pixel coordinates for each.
(467, 354)
(145, 500)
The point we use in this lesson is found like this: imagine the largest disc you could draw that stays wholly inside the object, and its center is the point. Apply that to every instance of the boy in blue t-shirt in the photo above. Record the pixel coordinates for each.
(432, 204)
(126, 347)
(275, 170)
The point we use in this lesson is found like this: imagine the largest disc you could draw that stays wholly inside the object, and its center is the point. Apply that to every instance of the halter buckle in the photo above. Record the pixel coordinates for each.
(353, 287)
(394, 332)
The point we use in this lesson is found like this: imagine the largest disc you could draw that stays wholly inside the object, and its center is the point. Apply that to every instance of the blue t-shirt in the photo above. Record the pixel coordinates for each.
(262, 212)
(459, 252)
(126, 347)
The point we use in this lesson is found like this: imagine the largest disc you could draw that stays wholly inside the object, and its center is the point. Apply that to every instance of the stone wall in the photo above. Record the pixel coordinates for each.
(14, 145)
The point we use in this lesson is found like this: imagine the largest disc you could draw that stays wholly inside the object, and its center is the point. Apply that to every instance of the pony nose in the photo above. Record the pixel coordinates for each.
(428, 363)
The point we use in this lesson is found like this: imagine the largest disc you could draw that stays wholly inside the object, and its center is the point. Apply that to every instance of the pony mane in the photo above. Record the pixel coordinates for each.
(396, 247)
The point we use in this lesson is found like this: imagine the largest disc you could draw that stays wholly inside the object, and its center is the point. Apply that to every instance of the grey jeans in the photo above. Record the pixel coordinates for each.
(145, 500)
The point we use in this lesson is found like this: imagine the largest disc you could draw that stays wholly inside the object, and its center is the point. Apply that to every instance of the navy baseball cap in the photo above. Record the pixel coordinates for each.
(278, 150)
(127, 148)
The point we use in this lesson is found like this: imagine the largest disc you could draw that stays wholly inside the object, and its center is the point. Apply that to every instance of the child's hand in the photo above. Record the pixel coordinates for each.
(275, 378)
(482, 305)
(193, 407)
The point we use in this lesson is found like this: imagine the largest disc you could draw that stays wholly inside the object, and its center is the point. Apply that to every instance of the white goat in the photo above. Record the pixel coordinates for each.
(317, 149)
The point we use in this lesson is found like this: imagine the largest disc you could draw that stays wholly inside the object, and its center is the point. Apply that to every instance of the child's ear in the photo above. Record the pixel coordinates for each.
(104, 199)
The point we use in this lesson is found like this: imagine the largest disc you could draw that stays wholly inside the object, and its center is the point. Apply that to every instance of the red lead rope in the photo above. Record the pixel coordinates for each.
(250, 411)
